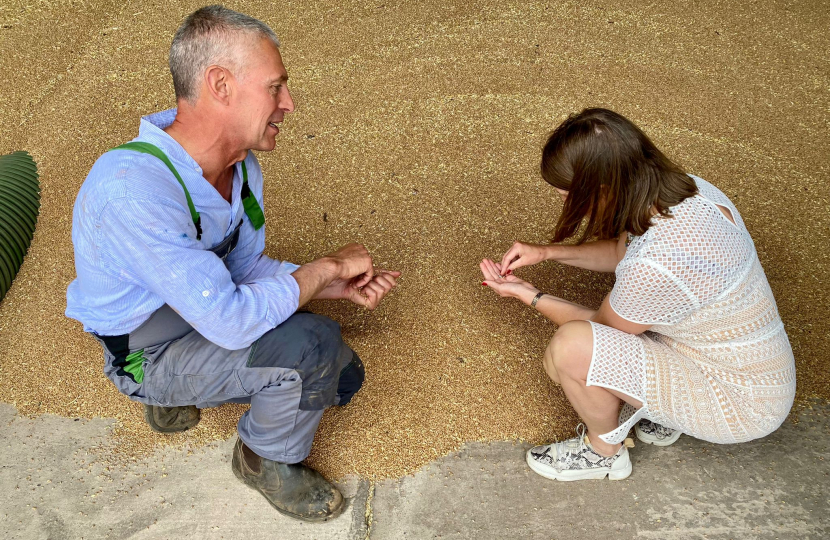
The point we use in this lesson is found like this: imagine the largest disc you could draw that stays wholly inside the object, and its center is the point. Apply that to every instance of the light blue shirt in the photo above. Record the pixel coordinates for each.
(136, 248)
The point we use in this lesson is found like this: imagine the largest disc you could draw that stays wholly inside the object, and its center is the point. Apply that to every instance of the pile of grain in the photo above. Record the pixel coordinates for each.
(417, 132)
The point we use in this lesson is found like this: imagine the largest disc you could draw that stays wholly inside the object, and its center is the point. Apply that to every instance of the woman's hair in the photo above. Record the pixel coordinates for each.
(614, 176)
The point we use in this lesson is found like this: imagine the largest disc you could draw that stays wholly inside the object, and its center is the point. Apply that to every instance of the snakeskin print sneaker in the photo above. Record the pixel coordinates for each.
(653, 433)
(575, 459)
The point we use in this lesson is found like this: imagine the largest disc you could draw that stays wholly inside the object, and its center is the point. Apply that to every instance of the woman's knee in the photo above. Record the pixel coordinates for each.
(549, 364)
(569, 352)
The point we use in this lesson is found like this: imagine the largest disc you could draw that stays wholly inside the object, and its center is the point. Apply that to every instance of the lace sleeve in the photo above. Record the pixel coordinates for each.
(647, 293)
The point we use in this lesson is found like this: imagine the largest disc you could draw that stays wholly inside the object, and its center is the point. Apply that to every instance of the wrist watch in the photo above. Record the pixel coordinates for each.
(536, 298)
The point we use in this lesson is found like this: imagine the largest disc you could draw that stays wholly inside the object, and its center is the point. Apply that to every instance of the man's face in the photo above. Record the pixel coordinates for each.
(263, 98)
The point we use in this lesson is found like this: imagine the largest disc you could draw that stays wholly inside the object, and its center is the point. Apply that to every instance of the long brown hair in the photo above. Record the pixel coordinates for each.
(614, 176)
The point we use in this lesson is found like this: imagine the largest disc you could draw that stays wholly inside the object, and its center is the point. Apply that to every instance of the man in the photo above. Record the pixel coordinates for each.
(172, 280)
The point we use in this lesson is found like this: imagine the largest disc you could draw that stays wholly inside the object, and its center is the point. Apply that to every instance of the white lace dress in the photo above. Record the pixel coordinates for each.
(716, 364)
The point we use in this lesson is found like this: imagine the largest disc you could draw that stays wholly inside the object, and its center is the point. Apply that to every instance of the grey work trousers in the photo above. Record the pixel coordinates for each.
(289, 376)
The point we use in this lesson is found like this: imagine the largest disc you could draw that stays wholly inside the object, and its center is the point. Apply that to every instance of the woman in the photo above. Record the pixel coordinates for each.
(689, 339)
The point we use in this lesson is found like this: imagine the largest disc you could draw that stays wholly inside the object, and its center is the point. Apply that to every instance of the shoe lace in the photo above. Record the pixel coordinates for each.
(570, 449)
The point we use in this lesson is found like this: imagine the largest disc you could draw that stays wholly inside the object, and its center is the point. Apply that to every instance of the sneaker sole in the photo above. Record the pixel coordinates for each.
(570, 476)
(648, 439)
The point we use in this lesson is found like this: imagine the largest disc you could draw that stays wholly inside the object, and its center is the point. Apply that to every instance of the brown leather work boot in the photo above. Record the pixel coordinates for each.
(171, 419)
(295, 490)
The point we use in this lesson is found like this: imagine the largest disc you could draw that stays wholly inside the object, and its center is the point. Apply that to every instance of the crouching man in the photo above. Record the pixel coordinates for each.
(169, 234)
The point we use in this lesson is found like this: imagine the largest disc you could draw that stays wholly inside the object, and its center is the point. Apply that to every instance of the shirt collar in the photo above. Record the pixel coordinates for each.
(151, 130)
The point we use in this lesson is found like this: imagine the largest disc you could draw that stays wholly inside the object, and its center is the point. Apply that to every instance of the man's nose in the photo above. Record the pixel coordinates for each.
(286, 102)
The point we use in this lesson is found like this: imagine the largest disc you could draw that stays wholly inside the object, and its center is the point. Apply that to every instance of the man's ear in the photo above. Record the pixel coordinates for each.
(217, 80)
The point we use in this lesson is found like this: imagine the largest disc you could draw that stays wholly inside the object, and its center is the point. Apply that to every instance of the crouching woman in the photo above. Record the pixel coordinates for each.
(689, 340)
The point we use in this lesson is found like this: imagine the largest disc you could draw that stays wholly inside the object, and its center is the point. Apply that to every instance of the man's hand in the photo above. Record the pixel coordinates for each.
(521, 254)
(350, 265)
(508, 286)
(371, 294)
(353, 261)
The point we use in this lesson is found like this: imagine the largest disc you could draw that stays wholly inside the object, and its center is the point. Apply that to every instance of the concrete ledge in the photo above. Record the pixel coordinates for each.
(776, 487)
(52, 487)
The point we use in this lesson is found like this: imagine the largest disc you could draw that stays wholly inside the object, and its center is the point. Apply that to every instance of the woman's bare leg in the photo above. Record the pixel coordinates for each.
(567, 360)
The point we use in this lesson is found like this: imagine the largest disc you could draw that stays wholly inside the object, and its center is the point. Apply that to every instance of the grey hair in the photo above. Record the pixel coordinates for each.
(208, 36)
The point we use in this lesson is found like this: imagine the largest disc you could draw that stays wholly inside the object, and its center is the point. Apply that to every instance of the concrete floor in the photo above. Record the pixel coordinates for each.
(54, 485)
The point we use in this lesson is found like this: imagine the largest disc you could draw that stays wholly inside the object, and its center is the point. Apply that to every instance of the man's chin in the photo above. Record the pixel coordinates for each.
(266, 145)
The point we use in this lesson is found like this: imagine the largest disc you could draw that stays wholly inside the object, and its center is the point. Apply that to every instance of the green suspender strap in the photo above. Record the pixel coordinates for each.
(252, 208)
(153, 150)
(249, 202)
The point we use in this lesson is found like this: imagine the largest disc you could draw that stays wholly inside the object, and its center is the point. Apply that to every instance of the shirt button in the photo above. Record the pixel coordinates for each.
(205, 293)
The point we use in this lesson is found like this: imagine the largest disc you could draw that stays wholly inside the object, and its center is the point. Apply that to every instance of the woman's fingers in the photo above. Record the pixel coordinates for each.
(515, 263)
(493, 269)
(523, 255)
(511, 254)
(485, 270)
(492, 272)
(499, 268)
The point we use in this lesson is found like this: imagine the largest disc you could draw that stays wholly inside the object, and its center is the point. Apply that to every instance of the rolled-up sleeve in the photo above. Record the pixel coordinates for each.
(152, 244)
(264, 266)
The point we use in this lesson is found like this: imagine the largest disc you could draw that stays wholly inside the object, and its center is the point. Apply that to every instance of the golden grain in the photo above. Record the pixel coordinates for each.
(417, 132)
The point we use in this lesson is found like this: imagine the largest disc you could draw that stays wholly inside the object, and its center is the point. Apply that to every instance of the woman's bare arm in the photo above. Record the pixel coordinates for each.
(607, 316)
(556, 309)
(600, 256)
(562, 311)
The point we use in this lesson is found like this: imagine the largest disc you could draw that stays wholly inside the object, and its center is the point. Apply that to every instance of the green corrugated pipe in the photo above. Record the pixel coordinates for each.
(19, 206)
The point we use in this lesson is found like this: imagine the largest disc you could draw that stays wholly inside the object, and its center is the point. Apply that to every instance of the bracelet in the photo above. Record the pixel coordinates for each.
(536, 298)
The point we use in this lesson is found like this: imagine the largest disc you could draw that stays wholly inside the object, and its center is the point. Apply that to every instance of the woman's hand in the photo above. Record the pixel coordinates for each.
(521, 254)
(507, 286)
